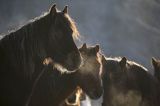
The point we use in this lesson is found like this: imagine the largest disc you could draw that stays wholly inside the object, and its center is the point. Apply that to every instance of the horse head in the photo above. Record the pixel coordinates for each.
(61, 46)
(90, 78)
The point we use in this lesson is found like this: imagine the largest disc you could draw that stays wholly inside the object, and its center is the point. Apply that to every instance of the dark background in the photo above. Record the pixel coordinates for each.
(128, 28)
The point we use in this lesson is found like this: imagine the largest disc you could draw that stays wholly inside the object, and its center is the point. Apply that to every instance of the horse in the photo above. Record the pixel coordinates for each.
(22, 52)
(54, 87)
(156, 66)
(127, 83)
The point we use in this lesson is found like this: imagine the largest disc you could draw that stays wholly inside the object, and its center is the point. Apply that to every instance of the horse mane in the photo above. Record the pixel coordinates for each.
(135, 64)
(23, 26)
(35, 21)
(72, 25)
(129, 62)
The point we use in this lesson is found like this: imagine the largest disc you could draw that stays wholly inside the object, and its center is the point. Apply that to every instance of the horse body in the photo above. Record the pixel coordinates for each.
(23, 51)
(127, 83)
(53, 87)
(51, 93)
(17, 66)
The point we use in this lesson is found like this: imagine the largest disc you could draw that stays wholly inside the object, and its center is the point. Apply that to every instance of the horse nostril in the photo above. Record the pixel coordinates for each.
(99, 92)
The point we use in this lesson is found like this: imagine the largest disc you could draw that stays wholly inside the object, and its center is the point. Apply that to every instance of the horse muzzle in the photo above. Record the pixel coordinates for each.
(95, 94)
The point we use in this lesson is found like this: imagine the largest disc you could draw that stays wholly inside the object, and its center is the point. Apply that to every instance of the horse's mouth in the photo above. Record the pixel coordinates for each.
(62, 69)
(94, 97)
(95, 94)
(59, 67)
(67, 67)
(71, 68)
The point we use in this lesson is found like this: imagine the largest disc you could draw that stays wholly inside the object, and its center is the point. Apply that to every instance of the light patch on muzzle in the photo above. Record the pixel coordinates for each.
(57, 66)
(89, 65)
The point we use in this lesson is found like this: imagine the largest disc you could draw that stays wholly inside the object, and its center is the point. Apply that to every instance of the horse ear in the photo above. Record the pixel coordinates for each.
(154, 62)
(53, 9)
(84, 46)
(65, 11)
(123, 62)
(97, 48)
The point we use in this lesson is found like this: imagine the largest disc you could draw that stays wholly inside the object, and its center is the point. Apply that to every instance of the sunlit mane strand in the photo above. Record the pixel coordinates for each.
(76, 34)
(128, 61)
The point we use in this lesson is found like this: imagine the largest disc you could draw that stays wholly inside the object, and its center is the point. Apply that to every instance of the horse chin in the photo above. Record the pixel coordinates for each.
(95, 95)
(65, 67)
(72, 68)
(62, 69)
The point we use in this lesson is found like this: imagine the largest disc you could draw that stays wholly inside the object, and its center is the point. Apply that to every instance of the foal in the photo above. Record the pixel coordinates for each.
(54, 87)
(127, 83)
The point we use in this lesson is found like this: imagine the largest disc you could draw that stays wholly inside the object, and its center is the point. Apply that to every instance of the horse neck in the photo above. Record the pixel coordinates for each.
(157, 74)
(70, 85)
(56, 86)
(78, 76)
(25, 45)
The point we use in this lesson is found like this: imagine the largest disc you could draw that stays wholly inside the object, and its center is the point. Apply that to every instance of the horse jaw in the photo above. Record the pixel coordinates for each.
(57, 66)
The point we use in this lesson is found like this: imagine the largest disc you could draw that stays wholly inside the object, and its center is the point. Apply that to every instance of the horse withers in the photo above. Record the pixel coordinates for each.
(23, 51)
(54, 87)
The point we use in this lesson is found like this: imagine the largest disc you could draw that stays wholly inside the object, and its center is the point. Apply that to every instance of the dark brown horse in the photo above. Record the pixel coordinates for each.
(54, 87)
(127, 83)
(23, 51)
(156, 66)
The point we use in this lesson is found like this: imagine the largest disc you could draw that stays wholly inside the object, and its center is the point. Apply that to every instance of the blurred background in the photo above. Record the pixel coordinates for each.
(128, 28)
